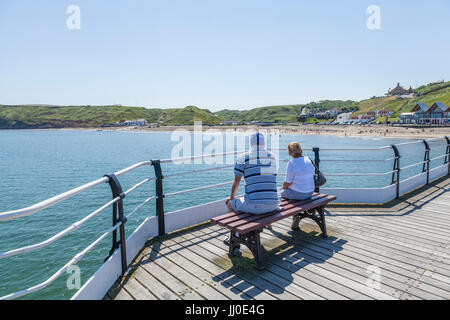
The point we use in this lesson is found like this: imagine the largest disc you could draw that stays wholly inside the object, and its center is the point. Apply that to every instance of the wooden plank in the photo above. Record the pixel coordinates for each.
(123, 295)
(220, 283)
(214, 245)
(221, 268)
(256, 288)
(231, 281)
(398, 252)
(369, 250)
(366, 256)
(374, 229)
(157, 288)
(183, 290)
(415, 275)
(203, 288)
(405, 247)
(263, 280)
(137, 290)
(231, 215)
(401, 229)
(305, 282)
(392, 283)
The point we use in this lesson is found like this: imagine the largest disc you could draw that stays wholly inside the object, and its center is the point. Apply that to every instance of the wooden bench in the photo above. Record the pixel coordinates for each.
(245, 228)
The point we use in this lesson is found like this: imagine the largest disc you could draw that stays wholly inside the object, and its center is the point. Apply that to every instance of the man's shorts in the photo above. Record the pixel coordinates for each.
(240, 205)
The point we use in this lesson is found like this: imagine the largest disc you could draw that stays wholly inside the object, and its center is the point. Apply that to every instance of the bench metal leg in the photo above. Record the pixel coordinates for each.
(321, 222)
(296, 221)
(254, 244)
(234, 244)
(252, 241)
(316, 214)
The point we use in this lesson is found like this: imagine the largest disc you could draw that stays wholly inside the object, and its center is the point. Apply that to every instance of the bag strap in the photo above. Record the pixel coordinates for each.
(315, 167)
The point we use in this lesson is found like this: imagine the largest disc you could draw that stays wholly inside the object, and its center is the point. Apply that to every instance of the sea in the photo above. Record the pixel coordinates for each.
(38, 164)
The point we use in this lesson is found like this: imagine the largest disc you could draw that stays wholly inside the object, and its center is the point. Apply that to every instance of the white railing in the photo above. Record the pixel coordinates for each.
(159, 196)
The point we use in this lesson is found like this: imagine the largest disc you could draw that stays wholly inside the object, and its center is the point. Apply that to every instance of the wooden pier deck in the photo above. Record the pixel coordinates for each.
(407, 241)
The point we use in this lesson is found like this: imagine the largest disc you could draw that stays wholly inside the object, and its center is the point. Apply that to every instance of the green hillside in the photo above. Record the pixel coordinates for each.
(429, 95)
(186, 116)
(45, 116)
(264, 114)
(287, 113)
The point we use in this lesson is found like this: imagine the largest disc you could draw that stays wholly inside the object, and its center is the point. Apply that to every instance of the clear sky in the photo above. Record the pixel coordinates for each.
(217, 54)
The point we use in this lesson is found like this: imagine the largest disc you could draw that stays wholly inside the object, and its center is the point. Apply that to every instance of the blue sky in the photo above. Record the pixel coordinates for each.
(217, 54)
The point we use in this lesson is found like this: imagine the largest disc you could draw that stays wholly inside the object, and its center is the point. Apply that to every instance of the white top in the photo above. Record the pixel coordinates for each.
(300, 172)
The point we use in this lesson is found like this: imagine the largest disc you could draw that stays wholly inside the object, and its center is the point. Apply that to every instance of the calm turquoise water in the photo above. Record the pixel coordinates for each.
(37, 164)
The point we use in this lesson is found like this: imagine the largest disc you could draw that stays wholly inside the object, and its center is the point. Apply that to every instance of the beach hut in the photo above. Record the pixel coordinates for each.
(438, 113)
(420, 113)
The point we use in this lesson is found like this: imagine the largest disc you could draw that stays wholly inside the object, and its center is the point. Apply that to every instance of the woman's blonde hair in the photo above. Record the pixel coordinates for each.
(295, 150)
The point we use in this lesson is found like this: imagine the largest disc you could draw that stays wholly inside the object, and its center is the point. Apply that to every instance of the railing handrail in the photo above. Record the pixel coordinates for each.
(14, 214)
(72, 227)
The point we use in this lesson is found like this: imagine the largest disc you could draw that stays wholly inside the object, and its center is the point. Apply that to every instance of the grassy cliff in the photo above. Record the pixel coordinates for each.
(287, 113)
(45, 116)
(428, 94)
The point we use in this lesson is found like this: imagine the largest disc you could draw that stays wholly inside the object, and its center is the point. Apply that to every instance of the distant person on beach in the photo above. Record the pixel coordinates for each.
(258, 167)
(299, 183)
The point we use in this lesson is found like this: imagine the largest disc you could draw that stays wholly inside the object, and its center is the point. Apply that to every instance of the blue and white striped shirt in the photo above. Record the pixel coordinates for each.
(260, 174)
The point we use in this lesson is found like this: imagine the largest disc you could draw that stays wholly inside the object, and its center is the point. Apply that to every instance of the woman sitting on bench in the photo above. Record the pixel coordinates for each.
(299, 184)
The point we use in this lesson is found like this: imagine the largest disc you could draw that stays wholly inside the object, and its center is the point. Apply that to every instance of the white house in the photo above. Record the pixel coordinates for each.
(343, 117)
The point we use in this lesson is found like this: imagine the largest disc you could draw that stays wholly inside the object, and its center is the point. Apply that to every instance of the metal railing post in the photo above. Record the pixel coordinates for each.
(317, 163)
(447, 154)
(118, 215)
(396, 168)
(159, 197)
(426, 165)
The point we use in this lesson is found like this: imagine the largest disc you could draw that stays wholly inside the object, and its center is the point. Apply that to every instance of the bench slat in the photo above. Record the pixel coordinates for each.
(220, 220)
(236, 217)
(237, 222)
(259, 224)
(235, 214)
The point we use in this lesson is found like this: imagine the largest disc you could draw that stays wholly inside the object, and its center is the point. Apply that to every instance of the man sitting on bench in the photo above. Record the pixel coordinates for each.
(260, 174)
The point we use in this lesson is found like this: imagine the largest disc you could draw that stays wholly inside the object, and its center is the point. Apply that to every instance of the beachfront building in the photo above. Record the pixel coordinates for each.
(137, 122)
(362, 118)
(407, 118)
(438, 114)
(334, 111)
(384, 113)
(366, 118)
(399, 91)
(229, 123)
(343, 117)
(420, 113)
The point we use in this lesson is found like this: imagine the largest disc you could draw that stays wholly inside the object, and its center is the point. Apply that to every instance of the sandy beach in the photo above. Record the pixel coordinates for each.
(385, 131)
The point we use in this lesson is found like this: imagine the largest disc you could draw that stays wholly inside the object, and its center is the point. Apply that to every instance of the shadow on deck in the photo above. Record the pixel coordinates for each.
(396, 251)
